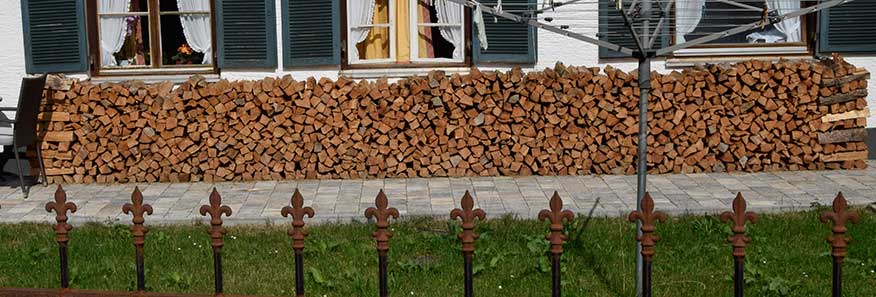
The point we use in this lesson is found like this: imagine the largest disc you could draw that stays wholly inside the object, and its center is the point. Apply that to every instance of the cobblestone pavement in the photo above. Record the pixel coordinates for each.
(345, 200)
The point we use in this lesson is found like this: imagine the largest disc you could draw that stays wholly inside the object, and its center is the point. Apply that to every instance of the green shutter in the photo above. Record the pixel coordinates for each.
(247, 33)
(311, 33)
(508, 41)
(613, 29)
(54, 36)
(849, 27)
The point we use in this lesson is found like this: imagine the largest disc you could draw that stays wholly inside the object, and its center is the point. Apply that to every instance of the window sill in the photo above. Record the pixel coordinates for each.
(158, 78)
(741, 51)
(697, 56)
(396, 73)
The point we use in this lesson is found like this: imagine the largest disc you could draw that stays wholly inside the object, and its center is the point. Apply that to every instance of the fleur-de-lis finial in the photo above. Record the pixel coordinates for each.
(647, 216)
(138, 209)
(839, 216)
(61, 206)
(468, 215)
(382, 213)
(738, 218)
(297, 211)
(556, 215)
(216, 210)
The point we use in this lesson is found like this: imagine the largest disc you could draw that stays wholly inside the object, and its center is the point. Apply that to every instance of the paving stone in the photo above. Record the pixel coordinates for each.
(524, 197)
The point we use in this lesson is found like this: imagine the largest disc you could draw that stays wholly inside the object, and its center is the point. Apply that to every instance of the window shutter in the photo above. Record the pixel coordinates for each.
(54, 36)
(311, 33)
(848, 27)
(508, 41)
(246, 33)
(613, 29)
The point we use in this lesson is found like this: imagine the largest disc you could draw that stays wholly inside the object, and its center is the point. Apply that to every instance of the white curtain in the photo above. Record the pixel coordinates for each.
(112, 29)
(360, 13)
(451, 13)
(688, 16)
(479, 22)
(790, 27)
(196, 27)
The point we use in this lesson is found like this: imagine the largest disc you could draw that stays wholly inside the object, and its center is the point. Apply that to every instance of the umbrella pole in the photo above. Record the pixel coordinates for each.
(642, 171)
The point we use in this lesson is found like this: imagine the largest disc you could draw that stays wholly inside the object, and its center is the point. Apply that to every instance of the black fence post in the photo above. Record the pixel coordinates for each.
(60, 206)
(138, 232)
(647, 217)
(737, 219)
(217, 233)
(556, 215)
(468, 237)
(298, 211)
(839, 240)
(382, 213)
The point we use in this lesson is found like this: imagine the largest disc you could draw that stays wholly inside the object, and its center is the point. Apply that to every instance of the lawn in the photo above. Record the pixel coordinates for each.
(788, 257)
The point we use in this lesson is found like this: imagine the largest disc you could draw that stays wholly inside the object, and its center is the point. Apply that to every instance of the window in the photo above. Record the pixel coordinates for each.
(698, 18)
(405, 31)
(140, 35)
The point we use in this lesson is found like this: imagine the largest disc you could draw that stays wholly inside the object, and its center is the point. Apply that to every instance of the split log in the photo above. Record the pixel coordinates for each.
(840, 98)
(854, 114)
(847, 135)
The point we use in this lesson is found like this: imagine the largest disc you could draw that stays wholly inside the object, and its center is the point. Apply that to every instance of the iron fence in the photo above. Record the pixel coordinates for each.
(382, 213)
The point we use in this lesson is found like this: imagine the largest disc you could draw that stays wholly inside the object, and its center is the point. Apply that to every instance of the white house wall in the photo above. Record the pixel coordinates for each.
(11, 52)
(552, 48)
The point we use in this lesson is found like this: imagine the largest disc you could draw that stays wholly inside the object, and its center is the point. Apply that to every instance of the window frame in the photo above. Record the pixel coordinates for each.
(415, 62)
(415, 35)
(156, 67)
(392, 37)
(754, 49)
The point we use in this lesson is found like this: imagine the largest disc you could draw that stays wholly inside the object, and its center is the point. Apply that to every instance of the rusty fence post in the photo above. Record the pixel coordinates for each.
(217, 233)
(556, 215)
(467, 214)
(737, 219)
(648, 240)
(138, 232)
(839, 240)
(62, 228)
(297, 232)
(382, 213)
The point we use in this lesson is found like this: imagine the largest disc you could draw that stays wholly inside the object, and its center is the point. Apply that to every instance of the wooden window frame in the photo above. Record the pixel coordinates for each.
(415, 62)
(754, 49)
(415, 26)
(156, 67)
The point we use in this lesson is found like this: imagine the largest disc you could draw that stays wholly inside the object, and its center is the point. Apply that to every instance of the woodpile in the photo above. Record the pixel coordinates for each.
(751, 116)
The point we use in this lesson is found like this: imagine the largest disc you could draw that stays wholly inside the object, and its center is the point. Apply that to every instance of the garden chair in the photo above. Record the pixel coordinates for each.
(21, 131)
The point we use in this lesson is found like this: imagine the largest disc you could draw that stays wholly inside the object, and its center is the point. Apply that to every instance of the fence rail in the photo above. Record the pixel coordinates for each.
(382, 213)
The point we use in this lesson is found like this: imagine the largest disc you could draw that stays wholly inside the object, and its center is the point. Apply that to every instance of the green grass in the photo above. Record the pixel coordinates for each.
(788, 257)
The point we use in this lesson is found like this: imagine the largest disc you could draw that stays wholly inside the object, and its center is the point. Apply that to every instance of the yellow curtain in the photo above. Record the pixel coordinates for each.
(402, 22)
(424, 33)
(376, 45)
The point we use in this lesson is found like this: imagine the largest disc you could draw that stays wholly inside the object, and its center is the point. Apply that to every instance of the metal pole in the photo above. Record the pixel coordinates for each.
(643, 282)
(644, 90)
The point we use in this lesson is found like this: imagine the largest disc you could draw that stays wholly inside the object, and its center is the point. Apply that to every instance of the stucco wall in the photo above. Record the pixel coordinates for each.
(11, 51)
(552, 48)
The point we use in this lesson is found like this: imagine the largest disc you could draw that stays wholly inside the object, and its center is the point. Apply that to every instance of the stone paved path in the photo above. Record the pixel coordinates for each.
(344, 200)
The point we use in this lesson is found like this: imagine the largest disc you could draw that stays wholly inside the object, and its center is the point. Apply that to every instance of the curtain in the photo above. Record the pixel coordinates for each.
(482, 31)
(451, 13)
(360, 13)
(196, 27)
(790, 27)
(112, 29)
(688, 16)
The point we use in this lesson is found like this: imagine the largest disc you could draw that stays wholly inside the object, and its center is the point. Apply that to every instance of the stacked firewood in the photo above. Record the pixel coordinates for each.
(751, 116)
